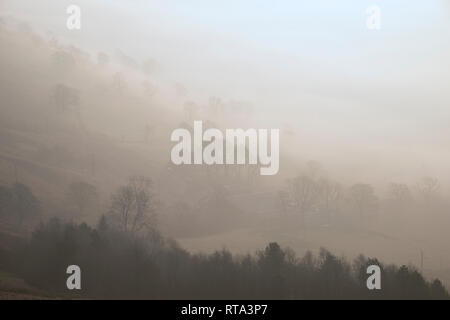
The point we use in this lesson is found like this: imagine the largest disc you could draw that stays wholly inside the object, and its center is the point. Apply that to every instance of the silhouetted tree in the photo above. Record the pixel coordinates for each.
(6, 199)
(428, 188)
(132, 205)
(119, 82)
(399, 192)
(116, 264)
(63, 61)
(304, 192)
(330, 195)
(24, 203)
(363, 197)
(65, 97)
(190, 108)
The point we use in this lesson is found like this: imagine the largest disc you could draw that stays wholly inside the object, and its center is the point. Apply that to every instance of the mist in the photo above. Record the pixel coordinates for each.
(363, 118)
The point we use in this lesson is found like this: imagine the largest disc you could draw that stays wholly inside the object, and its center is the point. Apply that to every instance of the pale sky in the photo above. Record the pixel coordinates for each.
(311, 64)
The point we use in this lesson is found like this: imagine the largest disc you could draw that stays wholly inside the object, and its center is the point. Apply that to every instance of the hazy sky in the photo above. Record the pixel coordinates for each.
(251, 38)
(313, 65)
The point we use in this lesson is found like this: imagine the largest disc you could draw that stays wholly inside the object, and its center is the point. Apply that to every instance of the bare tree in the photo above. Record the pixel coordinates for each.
(133, 205)
(399, 192)
(363, 197)
(428, 188)
(190, 108)
(330, 196)
(399, 195)
(125, 60)
(25, 204)
(63, 61)
(119, 82)
(283, 201)
(304, 192)
(65, 97)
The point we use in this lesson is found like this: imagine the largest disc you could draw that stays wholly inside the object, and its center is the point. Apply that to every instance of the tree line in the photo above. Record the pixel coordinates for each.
(118, 263)
(312, 193)
(125, 256)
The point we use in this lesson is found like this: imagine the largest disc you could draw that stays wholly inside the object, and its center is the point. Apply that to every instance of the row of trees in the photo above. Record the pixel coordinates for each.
(64, 59)
(132, 206)
(18, 204)
(124, 256)
(311, 193)
(120, 264)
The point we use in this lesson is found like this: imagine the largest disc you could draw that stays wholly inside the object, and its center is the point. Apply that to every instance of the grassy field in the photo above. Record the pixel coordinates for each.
(342, 241)
(13, 288)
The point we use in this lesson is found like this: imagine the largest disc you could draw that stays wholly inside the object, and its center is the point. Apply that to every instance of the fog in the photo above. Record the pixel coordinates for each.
(355, 108)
